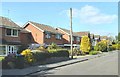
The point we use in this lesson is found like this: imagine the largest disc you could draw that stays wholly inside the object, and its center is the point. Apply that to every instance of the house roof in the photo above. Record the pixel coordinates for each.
(24, 31)
(44, 27)
(85, 33)
(91, 35)
(8, 23)
(103, 37)
(68, 32)
(96, 36)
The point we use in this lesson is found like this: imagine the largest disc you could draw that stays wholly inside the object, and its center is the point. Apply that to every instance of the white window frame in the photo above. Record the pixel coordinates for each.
(14, 48)
(58, 36)
(5, 50)
(11, 33)
(47, 35)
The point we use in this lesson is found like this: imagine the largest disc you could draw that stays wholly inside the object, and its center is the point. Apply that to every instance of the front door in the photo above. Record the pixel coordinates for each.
(10, 49)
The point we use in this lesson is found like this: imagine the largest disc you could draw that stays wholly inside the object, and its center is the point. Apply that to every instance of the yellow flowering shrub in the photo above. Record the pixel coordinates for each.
(28, 56)
(85, 45)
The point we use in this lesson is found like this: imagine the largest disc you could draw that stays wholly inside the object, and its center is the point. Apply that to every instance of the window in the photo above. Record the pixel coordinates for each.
(8, 31)
(58, 36)
(15, 32)
(2, 50)
(78, 38)
(11, 32)
(47, 35)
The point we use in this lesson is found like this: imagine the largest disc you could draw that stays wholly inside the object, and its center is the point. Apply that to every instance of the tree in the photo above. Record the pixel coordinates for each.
(85, 45)
(101, 46)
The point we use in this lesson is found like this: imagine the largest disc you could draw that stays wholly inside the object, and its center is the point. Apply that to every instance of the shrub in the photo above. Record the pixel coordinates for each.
(28, 56)
(21, 48)
(76, 51)
(53, 48)
(113, 47)
(94, 52)
(42, 49)
(41, 56)
(101, 46)
(12, 61)
(60, 53)
(116, 46)
(85, 45)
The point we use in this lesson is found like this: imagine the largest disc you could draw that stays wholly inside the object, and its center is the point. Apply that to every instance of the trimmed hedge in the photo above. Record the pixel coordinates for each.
(60, 53)
(12, 61)
(22, 61)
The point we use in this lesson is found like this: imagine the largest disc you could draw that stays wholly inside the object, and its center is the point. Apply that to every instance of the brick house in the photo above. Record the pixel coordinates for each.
(9, 36)
(97, 39)
(103, 38)
(66, 37)
(92, 39)
(43, 34)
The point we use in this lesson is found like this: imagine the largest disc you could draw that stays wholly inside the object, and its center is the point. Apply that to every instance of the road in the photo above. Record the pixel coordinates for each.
(105, 65)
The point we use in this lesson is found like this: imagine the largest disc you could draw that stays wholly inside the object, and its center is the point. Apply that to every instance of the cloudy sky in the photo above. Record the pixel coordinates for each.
(96, 17)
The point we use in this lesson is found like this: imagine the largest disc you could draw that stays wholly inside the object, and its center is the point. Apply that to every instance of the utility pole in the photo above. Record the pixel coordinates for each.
(71, 39)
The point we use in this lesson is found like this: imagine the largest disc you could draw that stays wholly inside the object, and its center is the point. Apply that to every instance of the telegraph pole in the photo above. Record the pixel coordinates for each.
(71, 33)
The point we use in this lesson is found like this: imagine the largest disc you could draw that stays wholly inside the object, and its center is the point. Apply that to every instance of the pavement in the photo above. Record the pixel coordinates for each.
(35, 69)
(105, 65)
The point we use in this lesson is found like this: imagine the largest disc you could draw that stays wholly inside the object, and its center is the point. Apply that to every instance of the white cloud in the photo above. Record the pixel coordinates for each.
(92, 15)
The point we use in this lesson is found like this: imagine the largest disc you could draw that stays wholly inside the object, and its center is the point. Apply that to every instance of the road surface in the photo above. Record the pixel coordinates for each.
(105, 65)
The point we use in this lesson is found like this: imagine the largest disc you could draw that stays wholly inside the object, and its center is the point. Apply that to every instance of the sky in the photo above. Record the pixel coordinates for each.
(97, 17)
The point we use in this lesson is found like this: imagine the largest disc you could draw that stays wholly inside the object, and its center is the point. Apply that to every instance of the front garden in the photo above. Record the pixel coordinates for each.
(38, 56)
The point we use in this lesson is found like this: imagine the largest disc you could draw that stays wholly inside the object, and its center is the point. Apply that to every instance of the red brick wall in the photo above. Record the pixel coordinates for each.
(53, 39)
(9, 38)
(36, 34)
(26, 38)
(66, 38)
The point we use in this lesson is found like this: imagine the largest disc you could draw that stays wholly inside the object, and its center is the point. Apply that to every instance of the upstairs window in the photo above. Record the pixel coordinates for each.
(78, 38)
(15, 32)
(47, 35)
(8, 32)
(58, 36)
(11, 32)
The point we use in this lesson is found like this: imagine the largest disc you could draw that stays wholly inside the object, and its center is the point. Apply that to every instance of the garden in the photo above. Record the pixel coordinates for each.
(39, 56)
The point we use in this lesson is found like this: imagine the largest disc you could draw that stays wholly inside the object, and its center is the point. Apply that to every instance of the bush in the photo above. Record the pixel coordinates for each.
(85, 45)
(21, 48)
(12, 61)
(28, 56)
(101, 46)
(60, 53)
(76, 51)
(94, 52)
(41, 56)
(53, 48)
(116, 46)
(113, 47)
(42, 49)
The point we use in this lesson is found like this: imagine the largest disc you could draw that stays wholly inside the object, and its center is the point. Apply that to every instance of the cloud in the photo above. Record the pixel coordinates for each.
(92, 15)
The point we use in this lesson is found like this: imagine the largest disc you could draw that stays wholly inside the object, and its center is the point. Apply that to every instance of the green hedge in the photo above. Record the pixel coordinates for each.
(60, 53)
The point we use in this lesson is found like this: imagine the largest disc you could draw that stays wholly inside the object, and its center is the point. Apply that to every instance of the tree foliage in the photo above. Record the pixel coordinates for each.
(85, 45)
(101, 46)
